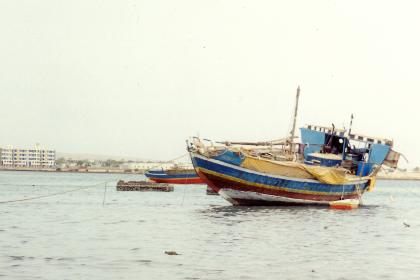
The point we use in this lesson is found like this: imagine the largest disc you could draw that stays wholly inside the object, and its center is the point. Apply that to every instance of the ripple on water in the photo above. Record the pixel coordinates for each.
(65, 259)
(143, 261)
(17, 258)
(116, 222)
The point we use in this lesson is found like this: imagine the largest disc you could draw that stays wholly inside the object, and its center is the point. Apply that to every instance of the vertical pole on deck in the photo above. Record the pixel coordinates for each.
(292, 132)
(348, 136)
(351, 123)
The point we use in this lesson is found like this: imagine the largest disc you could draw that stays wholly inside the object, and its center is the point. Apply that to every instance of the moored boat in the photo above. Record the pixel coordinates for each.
(328, 166)
(243, 179)
(174, 176)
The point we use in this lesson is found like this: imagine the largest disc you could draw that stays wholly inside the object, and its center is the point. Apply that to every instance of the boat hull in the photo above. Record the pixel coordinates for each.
(242, 186)
(182, 178)
(181, 181)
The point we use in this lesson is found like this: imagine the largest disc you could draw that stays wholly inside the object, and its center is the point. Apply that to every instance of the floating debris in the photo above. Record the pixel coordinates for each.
(171, 253)
(143, 186)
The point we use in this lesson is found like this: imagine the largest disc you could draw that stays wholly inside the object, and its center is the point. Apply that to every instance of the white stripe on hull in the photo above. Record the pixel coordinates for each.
(234, 195)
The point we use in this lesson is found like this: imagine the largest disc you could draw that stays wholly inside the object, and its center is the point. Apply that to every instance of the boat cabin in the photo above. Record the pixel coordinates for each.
(329, 146)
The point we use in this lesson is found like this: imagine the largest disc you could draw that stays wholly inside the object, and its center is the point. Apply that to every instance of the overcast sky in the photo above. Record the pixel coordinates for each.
(136, 78)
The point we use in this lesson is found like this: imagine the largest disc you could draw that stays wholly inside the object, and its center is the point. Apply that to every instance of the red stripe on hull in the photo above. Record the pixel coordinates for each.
(182, 181)
(217, 183)
(343, 207)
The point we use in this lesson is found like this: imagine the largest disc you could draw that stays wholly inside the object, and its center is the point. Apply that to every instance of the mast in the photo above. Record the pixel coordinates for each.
(292, 132)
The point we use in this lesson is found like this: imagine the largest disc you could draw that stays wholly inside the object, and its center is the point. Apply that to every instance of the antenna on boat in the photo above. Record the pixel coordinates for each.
(292, 132)
(351, 123)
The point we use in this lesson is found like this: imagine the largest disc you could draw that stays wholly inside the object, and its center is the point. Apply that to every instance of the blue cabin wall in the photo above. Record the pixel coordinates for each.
(323, 161)
(230, 157)
(378, 153)
(315, 139)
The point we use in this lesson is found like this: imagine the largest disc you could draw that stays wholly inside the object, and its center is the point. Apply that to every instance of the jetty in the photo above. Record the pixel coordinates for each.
(143, 186)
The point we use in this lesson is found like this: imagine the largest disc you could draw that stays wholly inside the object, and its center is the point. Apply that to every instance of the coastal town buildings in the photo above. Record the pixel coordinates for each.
(146, 165)
(35, 157)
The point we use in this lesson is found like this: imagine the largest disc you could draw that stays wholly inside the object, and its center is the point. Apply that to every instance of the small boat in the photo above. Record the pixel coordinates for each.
(329, 166)
(176, 175)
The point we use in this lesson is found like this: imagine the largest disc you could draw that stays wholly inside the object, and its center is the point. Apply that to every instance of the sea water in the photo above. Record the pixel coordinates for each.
(100, 233)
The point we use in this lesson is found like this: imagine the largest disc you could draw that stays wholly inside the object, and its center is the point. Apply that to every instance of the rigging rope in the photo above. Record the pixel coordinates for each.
(54, 194)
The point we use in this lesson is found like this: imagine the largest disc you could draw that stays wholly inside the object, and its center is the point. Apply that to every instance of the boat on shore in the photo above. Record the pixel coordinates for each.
(329, 166)
(176, 175)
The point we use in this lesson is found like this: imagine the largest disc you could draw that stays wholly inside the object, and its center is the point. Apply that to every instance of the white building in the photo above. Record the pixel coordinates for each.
(147, 165)
(36, 157)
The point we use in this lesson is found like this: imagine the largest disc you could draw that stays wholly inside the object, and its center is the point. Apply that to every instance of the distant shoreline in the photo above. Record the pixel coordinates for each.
(75, 170)
(400, 176)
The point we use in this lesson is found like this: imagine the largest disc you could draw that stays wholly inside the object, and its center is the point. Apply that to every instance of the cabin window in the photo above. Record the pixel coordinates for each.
(333, 145)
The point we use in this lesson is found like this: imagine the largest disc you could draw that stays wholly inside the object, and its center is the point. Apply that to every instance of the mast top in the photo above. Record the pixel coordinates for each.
(292, 132)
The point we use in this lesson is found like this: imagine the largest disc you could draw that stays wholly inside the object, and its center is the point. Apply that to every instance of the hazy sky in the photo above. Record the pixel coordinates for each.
(136, 78)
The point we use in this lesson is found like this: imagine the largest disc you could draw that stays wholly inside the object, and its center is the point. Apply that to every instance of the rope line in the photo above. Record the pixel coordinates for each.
(53, 194)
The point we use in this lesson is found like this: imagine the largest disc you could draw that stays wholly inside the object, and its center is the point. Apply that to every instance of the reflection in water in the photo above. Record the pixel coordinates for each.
(244, 213)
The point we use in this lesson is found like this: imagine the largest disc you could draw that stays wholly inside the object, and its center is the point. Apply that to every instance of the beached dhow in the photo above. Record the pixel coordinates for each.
(328, 167)
(331, 169)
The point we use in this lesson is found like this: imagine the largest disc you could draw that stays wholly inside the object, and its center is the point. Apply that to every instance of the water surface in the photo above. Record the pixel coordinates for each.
(76, 236)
